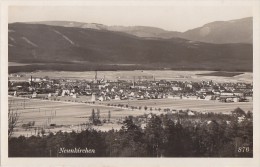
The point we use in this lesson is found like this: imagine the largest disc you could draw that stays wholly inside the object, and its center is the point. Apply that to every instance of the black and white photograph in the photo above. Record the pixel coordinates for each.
(138, 80)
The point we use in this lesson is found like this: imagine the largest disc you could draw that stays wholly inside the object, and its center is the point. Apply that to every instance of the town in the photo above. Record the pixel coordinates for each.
(136, 88)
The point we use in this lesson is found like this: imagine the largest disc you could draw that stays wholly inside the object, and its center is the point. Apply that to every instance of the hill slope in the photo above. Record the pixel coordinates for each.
(234, 31)
(85, 48)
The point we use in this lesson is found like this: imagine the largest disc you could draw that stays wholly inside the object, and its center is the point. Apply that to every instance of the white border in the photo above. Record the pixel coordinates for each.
(183, 162)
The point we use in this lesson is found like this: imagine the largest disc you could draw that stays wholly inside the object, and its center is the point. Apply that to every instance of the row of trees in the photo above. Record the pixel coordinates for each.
(163, 136)
(136, 107)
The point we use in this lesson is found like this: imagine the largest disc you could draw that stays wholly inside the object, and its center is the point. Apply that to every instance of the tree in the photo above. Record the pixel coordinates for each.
(98, 114)
(177, 140)
(238, 112)
(131, 142)
(154, 135)
(13, 118)
(92, 116)
(145, 107)
(109, 115)
(95, 118)
(249, 114)
(216, 137)
(128, 124)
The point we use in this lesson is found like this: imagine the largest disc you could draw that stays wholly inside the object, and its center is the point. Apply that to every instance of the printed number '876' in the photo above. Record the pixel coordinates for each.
(243, 149)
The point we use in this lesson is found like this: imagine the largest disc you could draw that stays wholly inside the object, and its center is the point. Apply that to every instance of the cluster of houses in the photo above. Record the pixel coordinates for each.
(103, 90)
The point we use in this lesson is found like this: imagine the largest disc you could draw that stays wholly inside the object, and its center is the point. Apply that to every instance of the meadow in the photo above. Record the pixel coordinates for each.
(195, 76)
(183, 104)
(45, 112)
(61, 113)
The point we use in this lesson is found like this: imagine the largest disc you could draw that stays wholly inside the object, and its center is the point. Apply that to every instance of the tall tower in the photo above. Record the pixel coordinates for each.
(31, 81)
(95, 79)
(95, 75)
(93, 97)
(134, 82)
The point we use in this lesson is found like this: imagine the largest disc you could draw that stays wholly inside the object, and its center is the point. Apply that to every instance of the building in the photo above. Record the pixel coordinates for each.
(75, 95)
(34, 95)
(102, 98)
(176, 88)
(226, 94)
(93, 97)
(208, 97)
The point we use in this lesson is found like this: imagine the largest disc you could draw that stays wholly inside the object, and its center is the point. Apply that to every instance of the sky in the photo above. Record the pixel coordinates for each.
(173, 18)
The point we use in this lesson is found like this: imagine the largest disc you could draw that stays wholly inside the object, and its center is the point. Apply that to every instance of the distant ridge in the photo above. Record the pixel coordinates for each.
(220, 32)
(233, 31)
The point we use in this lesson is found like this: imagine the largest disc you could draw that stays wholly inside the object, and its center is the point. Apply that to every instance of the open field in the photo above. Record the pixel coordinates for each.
(16, 64)
(61, 113)
(222, 73)
(71, 114)
(195, 105)
(68, 114)
(246, 77)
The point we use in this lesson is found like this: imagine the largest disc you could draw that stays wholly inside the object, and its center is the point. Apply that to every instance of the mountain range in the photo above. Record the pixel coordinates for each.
(219, 32)
(62, 45)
